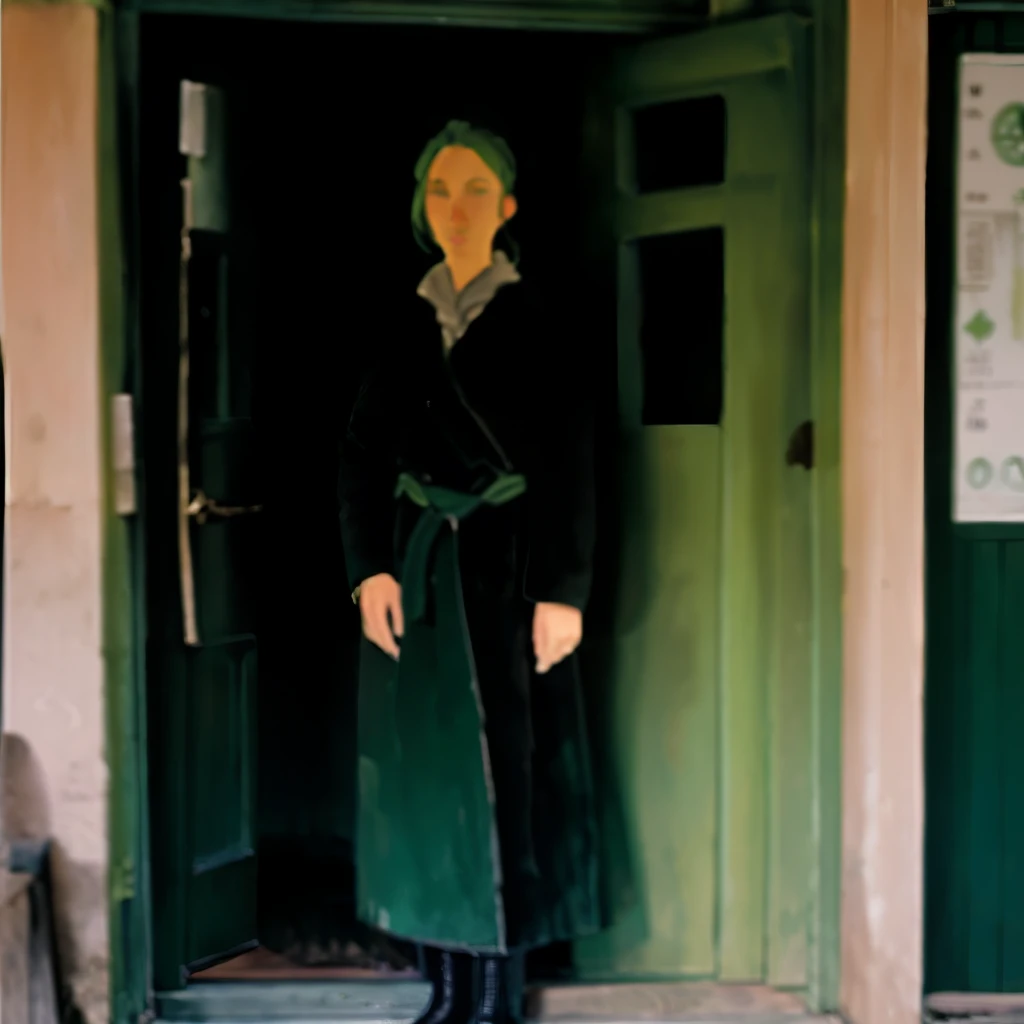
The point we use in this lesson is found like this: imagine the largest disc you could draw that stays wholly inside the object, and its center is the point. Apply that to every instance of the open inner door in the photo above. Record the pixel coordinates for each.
(708, 708)
(206, 771)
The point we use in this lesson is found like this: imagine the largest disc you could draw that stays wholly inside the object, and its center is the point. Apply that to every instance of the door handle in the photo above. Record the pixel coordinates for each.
(800, 450)
(202, 508)
(204, 212)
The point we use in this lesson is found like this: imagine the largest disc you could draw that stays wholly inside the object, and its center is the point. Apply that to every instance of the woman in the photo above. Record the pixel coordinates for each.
(467, 520)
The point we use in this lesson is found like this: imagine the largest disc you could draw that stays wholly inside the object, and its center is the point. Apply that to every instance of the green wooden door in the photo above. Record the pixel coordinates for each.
(974, 698)
(204, 811)
(707, 721)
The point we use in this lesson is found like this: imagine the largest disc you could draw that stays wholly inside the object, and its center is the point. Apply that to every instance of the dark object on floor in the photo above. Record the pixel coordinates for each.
(307, 907)
(357, 946)
(262, 964)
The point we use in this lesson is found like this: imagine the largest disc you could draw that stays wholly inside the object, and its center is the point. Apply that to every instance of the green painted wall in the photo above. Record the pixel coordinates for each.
(123, 571)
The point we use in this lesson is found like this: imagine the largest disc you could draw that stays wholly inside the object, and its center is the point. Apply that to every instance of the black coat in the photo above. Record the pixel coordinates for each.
(512, 396)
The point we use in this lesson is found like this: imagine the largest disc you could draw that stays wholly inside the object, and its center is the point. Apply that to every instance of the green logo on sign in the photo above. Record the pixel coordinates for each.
(1012, 473)
(979, 473)
(1008, 134)
(980, 327)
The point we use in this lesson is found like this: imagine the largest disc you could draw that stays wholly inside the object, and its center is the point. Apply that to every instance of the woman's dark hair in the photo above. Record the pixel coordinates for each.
(491, 148)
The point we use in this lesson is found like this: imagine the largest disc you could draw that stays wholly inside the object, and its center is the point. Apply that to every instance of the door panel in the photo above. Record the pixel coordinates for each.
(713, 741)
(204, 816)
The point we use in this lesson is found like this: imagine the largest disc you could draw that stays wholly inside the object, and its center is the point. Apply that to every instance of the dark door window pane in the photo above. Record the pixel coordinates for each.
(682, 283)
(680, 144)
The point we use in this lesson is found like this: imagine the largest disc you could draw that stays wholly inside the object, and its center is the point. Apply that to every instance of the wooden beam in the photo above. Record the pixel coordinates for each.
(883, 510)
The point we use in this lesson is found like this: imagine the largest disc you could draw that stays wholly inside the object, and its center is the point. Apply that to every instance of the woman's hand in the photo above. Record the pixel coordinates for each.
(380, 605)
(557, 631)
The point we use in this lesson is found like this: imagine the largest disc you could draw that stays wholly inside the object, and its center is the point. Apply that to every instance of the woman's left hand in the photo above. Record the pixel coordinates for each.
(557, 631)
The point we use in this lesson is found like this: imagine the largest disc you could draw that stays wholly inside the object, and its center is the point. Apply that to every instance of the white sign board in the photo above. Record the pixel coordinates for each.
(989, 325)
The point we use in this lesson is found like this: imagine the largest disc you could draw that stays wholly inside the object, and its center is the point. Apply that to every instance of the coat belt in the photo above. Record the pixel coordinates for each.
(441, 505)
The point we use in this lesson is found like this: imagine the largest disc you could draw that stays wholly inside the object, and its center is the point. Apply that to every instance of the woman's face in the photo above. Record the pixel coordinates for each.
(464, 204)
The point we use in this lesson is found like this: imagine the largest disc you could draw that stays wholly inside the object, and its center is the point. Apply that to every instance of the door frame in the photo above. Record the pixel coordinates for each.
(129, 894)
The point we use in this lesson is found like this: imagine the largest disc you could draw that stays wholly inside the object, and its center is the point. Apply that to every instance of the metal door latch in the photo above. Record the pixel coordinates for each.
(122, 418)
(201, 508)
(800, 451)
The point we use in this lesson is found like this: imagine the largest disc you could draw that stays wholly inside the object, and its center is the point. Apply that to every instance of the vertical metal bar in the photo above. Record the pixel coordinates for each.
(188, 583)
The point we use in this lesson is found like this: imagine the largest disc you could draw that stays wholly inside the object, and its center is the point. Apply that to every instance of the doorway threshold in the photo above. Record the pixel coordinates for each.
(294, 1002)
(262, 964)
(400, 1001)
(693, 1002)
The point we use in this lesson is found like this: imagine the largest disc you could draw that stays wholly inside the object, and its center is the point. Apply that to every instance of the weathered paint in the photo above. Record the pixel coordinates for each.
(54, 671)
(664, 727)
(828, 137)
(883, 513)
(123, 570)
(712, 651)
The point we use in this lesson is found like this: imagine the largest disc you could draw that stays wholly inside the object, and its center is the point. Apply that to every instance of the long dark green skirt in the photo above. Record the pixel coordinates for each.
(476, 811)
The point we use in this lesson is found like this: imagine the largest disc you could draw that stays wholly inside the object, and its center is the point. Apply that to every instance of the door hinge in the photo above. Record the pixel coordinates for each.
(122, 880)
(192, 119)
(123, 455)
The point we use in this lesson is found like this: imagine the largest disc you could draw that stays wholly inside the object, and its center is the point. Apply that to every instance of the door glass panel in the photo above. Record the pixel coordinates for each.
(682, 292)
(680, 144)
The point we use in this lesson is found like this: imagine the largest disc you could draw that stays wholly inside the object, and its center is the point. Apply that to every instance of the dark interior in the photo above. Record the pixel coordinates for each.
(325, 125)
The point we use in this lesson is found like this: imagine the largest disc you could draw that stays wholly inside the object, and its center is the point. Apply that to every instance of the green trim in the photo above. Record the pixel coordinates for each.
(667, 213)
(947, 710)
(692, 64)
(116, 593)
(828, 142)
(591, 17)
(130, 896)
(123, 635)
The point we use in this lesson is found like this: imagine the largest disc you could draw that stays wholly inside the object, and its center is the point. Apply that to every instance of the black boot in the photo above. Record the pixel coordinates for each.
(501, 983)
(454, 981)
